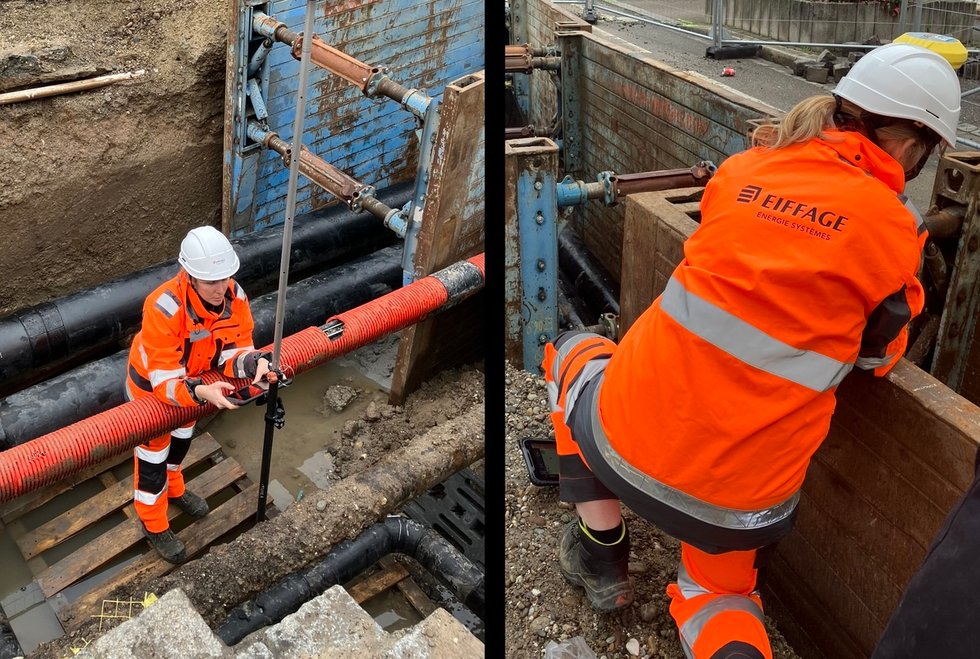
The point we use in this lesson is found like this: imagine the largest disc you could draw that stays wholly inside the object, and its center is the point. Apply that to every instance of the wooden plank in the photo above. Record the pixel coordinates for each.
(195, 537)
(452, 229)
(411, 591)
(64, 526)
(374, 584)
(126, 534)
(656, 226)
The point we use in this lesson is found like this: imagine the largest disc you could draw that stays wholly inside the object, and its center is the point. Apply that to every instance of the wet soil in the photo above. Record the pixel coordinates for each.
(100, 183)
(540, 605)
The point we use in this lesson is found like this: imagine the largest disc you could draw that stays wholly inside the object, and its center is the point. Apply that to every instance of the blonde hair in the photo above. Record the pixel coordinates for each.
(806, 120)
(812, 116)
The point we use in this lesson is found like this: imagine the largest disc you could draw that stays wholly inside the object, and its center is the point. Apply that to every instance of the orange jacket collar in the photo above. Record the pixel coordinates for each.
(861, 152)
(191, 295)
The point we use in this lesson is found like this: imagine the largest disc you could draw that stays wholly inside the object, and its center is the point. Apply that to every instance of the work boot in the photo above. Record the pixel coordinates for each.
(191, 504)
(170, 548)
(602, 570)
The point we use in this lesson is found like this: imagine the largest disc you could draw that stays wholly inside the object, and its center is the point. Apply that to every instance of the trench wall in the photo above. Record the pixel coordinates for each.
(536, 23)
(627, 112)
(425, 45)
(899, 454)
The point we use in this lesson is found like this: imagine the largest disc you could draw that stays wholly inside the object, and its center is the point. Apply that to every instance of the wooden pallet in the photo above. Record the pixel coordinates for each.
(392, 575)
(53, 576)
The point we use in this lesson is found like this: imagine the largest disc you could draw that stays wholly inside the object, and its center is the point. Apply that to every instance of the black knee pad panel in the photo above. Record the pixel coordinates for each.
(738, 650)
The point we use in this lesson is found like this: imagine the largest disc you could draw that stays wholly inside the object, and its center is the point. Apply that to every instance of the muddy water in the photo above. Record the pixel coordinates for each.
(301, 455)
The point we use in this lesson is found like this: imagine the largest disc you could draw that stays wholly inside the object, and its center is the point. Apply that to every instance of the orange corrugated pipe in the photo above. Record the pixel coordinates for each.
(49, 458)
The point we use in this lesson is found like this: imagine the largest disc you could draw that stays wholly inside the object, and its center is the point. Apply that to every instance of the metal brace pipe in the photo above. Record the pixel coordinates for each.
(524, 59)
(258, 58)
(255, 95)
(355, 194)
(525, 131)
(945, 223)
(610, 187)
(372, 80)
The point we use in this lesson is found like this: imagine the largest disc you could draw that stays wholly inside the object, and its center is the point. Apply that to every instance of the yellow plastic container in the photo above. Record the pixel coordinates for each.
(951, 49)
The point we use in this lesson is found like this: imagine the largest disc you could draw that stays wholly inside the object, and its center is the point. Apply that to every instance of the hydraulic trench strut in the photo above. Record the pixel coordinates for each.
(358, 196)
(610, 187)
(374, 82)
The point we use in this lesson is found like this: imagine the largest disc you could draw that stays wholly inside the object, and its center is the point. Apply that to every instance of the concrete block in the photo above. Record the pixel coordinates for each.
(840, 70)
(330, 625)
(440, 636)
(826, 57)
(172, 627)
(800, 65)
(854, 56)
(816, 74)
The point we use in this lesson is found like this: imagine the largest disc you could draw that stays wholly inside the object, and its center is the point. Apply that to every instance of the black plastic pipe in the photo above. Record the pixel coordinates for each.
(9, 645)
(351, 557)
(98, 385)
(49, 338)
(589, 279)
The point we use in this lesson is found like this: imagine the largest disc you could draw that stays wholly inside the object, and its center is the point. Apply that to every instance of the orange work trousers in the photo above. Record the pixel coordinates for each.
(716, 606)
(157, 476)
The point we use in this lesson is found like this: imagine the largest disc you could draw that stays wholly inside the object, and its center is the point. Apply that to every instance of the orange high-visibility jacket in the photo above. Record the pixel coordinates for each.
(803, 267)
(180, 338)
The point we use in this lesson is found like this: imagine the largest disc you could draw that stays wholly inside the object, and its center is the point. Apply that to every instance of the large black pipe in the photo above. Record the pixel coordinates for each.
(49, 338)
(590, 280)
(98, 385)
(350, 558)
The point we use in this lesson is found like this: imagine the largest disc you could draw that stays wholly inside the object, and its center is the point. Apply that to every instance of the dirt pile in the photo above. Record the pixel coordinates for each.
(383, 428)
(100, 183)
(540, 605)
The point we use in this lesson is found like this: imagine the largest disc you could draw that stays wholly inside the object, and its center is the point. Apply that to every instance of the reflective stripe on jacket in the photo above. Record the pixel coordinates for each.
(180, 338)
(804, 266)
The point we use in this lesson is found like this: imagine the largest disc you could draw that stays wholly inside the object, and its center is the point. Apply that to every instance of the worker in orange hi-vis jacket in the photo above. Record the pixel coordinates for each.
(197, 321)
(703, 420)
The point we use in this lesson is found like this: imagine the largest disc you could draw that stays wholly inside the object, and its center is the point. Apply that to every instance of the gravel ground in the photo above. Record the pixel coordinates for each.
(539, 605)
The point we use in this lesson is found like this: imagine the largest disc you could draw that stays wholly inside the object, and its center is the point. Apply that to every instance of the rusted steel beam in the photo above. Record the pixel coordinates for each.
(668, 179)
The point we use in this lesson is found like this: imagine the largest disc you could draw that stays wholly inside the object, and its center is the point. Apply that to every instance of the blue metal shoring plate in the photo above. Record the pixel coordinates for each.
(425, 45)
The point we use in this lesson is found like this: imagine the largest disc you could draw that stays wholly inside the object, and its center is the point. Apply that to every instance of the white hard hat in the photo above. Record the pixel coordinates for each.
(206, 254)
(908, 82)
